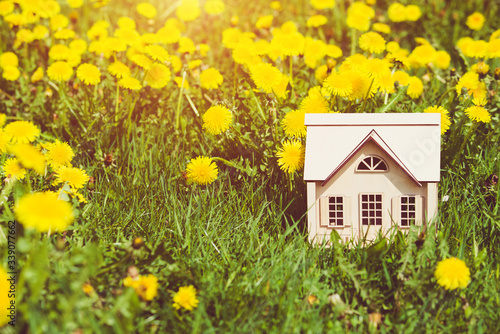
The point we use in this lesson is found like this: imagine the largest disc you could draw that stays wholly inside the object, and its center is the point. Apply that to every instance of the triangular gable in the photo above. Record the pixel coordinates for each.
(374, 137)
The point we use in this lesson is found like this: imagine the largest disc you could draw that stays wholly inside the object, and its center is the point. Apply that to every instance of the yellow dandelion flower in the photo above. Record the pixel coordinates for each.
(64, 34)
(75, 3)
(89, 74)
(8, 59)
(147, 288)
(452, 273)
(43, 212)
(189, 10)
(211, 78)
(6, 7)
(293, 123)
(214, 7)
(142, 61)
(397, 12)
(186, 45)
(317, 21)
(359, 16)
(415, 87)
(322, 4)
(494, 48)
(264, 22)
(158, 76)
(87, 288)
(58, 21)
(291, 156)
(13, 169)
(130, 83)
(119, 69)
(22, 132)
(381, 27)
(217, 119)
(79, 46)
(314, 103)
(202, 170)
(276, 5)
(372, 42)
(29, 157)
(442, 60)
(445, 117)
(392, 46)
(475, 21)
(146, 9)
(157, 52)
(75, 177)
(265, 76)
(333, 51)
(321, 73)
(178, 81)
(40, 32)
(469, 80)
(204, 48)
(37, 75)
(59, 52)
(338, 84)
(4, 141)
(478, 114)
(59, 154)
(377, 68)
(186, 298)
(413, 13)
(60, 71)
(10, 73)
(477, 49)
(363, 87)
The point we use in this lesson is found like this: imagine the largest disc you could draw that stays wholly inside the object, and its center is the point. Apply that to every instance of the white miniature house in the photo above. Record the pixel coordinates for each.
(367, 172)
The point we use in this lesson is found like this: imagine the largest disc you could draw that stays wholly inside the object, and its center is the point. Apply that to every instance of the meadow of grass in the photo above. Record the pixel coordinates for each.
(241, 240)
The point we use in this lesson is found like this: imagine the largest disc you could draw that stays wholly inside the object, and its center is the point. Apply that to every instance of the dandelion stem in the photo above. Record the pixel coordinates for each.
(116, 101)
(178, 111)
(192, 105)
(443, 96)
(291, 73)
(353, 41)
(258, 104)
(472, 129)
(8, 95)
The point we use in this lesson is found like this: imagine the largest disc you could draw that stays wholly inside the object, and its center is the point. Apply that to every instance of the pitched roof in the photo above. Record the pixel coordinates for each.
(412, 140)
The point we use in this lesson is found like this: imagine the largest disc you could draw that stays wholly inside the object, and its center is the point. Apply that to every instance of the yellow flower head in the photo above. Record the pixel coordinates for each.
(452, 273)
(119, 69)
(397, 12)
(89, 74)
(415, 87)
(445, 117)
(43, 212)
(291, 156)
(475, 21)
(382, 27)
(158, 75)
(157, 52)
(317, 21)
(189, 10)
(75, 177)
(142, 61)
(469, 80)
(359, 16)
(372, 42)
(130, 83)
(8, 59)
(442, 60)
(217, 119)
(202, 170)
(6, 7)
(314, 102)
(214, 7)
(29, 157)
(293, 123)
(338, 84)
(146, 9)
(13, 169)
(478, 114)
(22, 132)
(413, 12)
(186, 298)
(322, 4)
(87, 288)
(211, 78)
(265, 76)
(10, 73)
(37, 75)
(264, 22)
(146, 287)
(60, 71)
(59, 154)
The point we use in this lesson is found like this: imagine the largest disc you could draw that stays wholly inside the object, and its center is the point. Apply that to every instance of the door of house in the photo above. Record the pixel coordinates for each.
(370, 215)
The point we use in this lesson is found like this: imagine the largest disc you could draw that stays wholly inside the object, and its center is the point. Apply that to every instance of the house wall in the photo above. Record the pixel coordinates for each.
(348, 182)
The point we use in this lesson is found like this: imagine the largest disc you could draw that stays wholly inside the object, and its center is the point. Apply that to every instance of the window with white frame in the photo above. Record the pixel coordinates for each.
(371, 209)
(334, 210)
(408, 210)
(372, 163)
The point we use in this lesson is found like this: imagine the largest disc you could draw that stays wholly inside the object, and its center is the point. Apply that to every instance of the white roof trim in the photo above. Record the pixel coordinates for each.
(389, 119)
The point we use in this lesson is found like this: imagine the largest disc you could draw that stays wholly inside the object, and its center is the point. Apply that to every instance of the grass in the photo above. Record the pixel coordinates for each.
(242, 240)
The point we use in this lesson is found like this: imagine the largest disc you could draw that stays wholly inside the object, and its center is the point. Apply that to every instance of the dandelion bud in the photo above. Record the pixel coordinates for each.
(497, 73)
(137, 243)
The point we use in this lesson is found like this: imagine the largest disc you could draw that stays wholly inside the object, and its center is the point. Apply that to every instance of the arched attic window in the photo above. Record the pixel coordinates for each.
(372, 163)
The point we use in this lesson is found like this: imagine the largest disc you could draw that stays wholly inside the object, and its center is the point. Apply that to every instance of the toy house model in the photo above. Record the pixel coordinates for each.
(367, 172)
